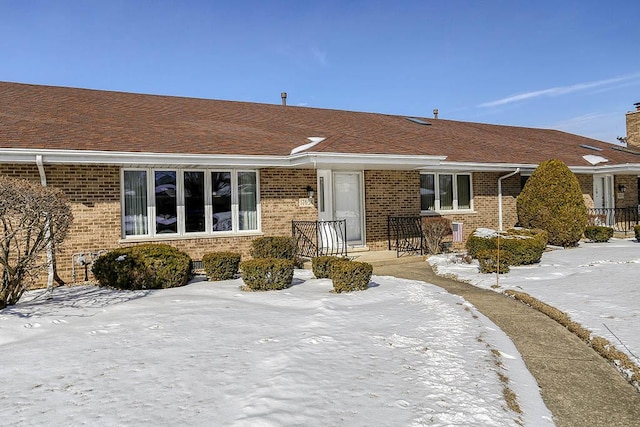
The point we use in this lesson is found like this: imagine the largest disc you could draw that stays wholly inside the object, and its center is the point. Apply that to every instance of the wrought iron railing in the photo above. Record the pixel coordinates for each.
(315, 238)
(405, 234)
(620, 219)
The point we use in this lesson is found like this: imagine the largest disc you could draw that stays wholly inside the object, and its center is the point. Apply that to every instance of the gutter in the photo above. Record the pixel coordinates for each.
(500, 195)
(50, 272)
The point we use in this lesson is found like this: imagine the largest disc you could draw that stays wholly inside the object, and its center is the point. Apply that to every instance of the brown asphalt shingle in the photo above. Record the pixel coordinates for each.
(47, 117)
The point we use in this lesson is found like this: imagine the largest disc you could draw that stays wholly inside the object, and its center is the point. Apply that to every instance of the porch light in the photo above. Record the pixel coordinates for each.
(310, 191)
(621, 188)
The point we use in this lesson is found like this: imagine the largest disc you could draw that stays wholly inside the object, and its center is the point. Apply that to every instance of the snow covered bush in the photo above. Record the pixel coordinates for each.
(597, 233)
(494, 261)
(525, 246)
(552, 200)
(321, 266)
(221, 265)
(348, 276)
(32, 219)
(148, 266)
(265, 274)
(434, 230)
(281, 247)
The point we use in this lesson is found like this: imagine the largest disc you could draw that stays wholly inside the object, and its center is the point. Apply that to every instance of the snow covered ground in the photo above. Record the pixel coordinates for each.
(596, 284)
(402, 353)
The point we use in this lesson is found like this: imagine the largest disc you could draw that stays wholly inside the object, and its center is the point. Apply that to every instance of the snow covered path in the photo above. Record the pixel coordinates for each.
(401, 353)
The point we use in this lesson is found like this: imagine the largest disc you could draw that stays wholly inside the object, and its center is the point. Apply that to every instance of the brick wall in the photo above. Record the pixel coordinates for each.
(633, 128)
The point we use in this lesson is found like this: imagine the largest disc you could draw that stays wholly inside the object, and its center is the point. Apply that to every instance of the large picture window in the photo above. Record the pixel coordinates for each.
(445, 192)
(159, 202)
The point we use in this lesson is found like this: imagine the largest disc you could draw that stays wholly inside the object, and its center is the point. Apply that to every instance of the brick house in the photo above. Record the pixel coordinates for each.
(206, 175)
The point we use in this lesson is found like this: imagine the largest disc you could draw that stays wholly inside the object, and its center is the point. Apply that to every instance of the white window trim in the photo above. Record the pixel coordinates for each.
(455, 209)
(181, 214)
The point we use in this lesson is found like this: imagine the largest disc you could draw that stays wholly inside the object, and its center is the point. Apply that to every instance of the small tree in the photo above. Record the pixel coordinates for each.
(32, 217)
(435, 229)
(552, 200)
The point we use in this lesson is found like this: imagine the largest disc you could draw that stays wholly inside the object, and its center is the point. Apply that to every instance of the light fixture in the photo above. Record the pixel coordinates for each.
(621, 188)
(310, 191)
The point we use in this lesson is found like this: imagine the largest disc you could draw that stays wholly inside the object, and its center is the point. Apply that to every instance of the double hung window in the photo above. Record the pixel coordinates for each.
(445, 192)
(159, 202)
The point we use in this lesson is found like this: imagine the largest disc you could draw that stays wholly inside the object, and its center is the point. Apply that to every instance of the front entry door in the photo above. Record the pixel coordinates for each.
(348, 204)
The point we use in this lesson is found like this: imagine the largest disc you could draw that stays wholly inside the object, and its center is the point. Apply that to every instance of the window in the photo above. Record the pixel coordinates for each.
(157, 202)
(445, 192)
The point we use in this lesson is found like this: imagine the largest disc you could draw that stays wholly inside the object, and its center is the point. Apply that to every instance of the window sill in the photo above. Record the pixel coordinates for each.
(191, 236)
(451, 212)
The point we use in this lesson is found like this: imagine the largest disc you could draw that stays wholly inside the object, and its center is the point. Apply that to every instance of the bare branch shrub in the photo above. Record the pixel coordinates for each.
(435, 229)
(31, 218)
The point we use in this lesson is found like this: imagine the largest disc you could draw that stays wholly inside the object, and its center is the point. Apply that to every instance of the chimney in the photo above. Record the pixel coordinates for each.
(435, 113)
(283, 95)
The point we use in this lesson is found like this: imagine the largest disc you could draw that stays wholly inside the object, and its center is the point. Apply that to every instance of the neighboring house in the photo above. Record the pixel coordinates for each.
(206, 175)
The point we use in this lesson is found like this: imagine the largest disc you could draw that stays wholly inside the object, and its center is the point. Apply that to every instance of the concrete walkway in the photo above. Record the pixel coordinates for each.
(578, 386)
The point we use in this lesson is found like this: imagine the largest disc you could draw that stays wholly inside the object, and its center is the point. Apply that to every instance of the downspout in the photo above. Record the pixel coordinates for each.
(500, 195)
(50, 271)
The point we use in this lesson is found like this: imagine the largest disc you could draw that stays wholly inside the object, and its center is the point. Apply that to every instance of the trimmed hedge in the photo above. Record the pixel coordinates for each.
(148, 266)
(597, 233)
(321, 266)
(348, 276)
(525, 246)
(280, 247)
(221, 265)
(264, 274)
(494, 261)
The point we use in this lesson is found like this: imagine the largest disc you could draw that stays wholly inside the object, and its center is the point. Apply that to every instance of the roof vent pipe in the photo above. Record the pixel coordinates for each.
(283, 95)
(435, 113)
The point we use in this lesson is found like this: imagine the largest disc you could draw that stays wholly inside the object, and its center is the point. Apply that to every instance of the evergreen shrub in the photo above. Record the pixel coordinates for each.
(221, 265)
(494, 260)
(280, 247)
(552, 200)
(636, 231)
(321, 266)
(597, 233)
(148, 266)
(265, 274)
(348, 276)
(525, 246)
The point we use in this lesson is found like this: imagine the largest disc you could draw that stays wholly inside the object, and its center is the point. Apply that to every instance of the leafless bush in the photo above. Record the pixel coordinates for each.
(435, 229)
(32, 217)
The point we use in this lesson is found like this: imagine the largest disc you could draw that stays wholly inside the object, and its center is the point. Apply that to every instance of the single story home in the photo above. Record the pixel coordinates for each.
(207, 175)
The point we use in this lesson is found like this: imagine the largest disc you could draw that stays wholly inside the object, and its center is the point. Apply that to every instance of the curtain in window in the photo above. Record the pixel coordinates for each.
(464, 191)
(135, 203)
(166, 202)
(427, 192)
(445, 182)
(221, 201)
(194, 220)
(247, 201)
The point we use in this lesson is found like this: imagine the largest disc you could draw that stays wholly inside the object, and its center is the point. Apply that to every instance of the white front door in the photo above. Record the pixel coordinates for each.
(347, 204)
(603, 191)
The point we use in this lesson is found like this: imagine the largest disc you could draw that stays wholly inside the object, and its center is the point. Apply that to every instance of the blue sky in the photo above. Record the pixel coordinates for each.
(568, 65)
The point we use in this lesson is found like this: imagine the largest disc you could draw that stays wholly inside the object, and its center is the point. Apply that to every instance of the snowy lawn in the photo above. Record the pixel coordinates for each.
(402, 353)
(596, 284)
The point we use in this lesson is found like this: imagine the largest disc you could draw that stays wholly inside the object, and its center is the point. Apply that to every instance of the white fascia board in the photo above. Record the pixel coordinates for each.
(482, 167)
(386, 161)
(9, 155)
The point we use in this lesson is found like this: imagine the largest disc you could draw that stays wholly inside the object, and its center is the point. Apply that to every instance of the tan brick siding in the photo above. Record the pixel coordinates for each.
(633, 128)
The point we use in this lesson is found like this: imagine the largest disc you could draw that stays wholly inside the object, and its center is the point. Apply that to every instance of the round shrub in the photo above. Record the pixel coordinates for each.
(264, 274)
(597, 233)
(494, 261)
(321, 266)
(148, 266)
(636, 231)
(348, 276)
(221, 265)
(274, 247)
(552, 200)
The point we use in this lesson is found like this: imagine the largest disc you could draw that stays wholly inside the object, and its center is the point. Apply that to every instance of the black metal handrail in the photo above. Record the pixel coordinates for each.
(315, 238)
(405, 234)
(620, 219)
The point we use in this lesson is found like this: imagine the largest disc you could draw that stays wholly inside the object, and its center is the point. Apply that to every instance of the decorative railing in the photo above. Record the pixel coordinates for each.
(315, 238)
(620, 219)
(405, 234)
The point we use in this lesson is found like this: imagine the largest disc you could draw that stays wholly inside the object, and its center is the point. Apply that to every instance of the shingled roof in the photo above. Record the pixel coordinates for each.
(35, 117)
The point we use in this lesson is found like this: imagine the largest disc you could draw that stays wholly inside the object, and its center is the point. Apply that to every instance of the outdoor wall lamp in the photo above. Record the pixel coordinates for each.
(310, 191)
(621, 188)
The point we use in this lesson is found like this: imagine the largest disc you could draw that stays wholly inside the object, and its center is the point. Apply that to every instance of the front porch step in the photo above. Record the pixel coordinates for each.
(379, 258)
